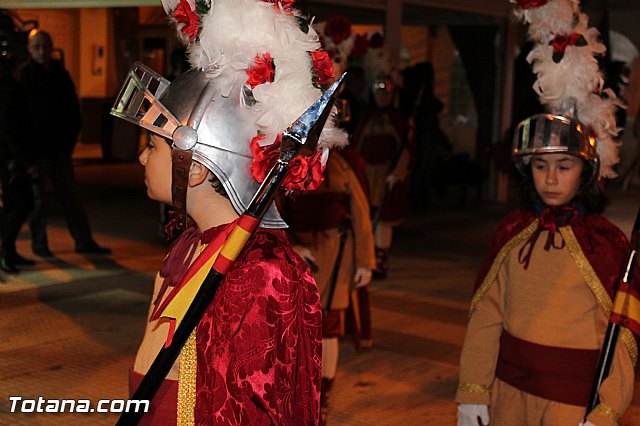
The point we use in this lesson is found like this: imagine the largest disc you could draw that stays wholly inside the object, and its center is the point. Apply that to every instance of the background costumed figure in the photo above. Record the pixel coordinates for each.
(330, 226)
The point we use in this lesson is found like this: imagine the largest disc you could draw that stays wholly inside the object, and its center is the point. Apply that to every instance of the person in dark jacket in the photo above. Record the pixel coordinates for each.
(16, 200)
(54, 105)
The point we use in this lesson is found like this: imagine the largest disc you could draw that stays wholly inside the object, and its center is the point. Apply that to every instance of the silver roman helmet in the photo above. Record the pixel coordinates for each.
(250, 79)
(547, 134)
(200, 122)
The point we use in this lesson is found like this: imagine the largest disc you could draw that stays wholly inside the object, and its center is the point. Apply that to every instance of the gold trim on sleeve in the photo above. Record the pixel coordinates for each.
(187, 382)
(630, 342)
(596, 287)
(474, 388)
(605, 410)
(497, 263)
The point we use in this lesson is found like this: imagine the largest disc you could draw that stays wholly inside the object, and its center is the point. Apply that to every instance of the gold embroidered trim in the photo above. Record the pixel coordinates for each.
(589, 275)
(473, 388)
(596, 287)
(497, 263)
(187, 382)
(630, 342)
(607, 411)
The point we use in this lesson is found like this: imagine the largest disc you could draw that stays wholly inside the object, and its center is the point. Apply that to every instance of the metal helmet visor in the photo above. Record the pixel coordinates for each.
(547, 134)
(224, 128)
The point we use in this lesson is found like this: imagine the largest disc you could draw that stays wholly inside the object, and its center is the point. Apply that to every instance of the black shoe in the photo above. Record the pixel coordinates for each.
(21, 261)
(7, 266)
(43, 252)
(92, 249)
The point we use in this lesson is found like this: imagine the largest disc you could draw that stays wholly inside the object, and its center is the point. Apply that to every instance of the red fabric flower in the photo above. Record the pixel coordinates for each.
(184, 15)
(286, 4)
(527, 4)
(360, 46)
(561, 42)
(322, 67)
(262, 70)
(305, 173)
(338, 28)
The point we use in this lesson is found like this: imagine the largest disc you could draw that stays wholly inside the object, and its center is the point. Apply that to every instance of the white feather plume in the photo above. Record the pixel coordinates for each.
(232, 33)
(572, 85)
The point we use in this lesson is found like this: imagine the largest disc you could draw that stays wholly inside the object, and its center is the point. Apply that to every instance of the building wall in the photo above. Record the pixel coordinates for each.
(94, 51)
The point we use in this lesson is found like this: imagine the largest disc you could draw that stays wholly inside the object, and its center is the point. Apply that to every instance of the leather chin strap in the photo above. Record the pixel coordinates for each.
(180, 164)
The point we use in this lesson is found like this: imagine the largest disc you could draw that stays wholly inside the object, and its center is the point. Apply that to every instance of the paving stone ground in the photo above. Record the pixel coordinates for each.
(69, 327)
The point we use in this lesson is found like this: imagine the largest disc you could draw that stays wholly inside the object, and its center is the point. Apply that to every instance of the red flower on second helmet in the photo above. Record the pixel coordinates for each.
(360, 46)
(528, 4)
(263, 70)
(185, 15)
(337, 28)
(286, 4)
(322, 67)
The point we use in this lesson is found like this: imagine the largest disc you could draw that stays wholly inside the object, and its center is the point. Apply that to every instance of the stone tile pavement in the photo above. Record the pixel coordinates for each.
(69, 327)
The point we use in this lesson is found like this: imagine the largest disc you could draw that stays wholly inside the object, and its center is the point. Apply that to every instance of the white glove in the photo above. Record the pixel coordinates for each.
(391, 180)
(468, 414)
(362, 277)
(587, 423)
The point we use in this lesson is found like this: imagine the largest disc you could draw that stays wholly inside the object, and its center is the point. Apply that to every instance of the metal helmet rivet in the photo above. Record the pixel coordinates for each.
(185, 138)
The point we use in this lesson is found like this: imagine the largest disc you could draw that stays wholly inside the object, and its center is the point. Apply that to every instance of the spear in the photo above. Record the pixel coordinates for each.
(300, 138)
(613, 329)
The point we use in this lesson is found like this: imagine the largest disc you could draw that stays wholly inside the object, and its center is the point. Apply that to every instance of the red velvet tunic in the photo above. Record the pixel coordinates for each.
(259, 344)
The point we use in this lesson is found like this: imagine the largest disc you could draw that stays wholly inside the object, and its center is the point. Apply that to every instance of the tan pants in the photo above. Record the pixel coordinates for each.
(512, 407)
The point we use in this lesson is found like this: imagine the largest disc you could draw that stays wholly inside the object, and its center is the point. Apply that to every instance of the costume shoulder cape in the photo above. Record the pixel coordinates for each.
(598, 247)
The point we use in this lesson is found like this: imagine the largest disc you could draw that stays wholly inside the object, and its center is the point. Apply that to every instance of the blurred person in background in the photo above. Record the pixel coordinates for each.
(16, 165)
(55, 113)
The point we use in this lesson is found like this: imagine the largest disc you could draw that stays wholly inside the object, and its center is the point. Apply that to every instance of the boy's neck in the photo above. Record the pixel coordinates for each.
(211, 211)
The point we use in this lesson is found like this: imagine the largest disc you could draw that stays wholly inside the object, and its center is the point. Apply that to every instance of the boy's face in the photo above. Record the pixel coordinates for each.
(156, 159)
(556, 177)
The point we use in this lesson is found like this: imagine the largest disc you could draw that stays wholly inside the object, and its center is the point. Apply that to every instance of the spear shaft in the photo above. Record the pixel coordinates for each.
(300, 138)
(613, 329)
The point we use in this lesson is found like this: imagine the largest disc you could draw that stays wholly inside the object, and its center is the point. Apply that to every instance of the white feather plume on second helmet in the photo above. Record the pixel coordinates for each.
(233, 32)
(569, 81)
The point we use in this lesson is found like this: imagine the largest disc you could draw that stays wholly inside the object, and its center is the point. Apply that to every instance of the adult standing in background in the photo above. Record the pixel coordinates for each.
(55, 113)
(16, 200)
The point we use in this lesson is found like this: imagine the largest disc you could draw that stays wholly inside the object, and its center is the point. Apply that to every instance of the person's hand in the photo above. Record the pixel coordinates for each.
(587, 423)
(362, 277)
(308, 257)
(391, 180)
(468, 414)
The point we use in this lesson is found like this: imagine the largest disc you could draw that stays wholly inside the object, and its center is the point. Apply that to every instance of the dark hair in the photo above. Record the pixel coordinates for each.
(215, 182)
(590, 194)
(217, 185)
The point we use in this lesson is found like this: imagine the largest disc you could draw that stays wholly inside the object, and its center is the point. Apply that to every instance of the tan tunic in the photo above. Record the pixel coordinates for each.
(548, 304)
(359, 249)
(155, 336)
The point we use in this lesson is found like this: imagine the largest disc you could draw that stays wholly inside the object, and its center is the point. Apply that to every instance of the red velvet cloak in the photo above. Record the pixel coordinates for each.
(259, 345)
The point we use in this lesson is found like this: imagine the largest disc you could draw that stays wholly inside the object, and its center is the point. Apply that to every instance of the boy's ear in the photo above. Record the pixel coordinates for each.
(197, 174)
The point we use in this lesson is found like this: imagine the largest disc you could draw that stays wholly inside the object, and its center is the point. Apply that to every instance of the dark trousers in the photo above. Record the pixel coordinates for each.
(58, 169)
(17, 202)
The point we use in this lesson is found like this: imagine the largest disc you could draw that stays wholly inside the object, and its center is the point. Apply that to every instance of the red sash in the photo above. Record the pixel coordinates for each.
(558, 374)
